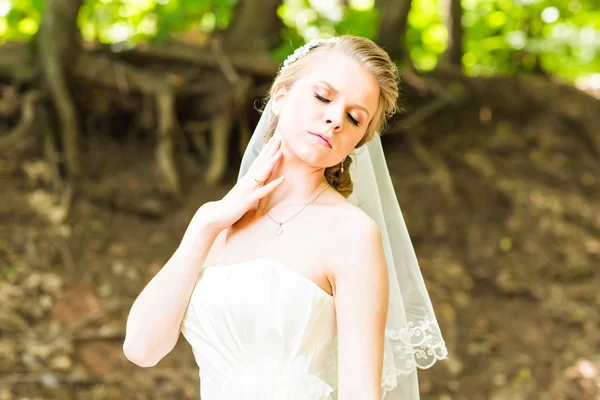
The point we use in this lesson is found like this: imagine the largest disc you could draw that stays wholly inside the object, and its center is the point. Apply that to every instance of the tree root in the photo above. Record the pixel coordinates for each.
(105, 194)
(443, 98)
(25, 125)
(439, 170)
(221, 137)
(166, 148)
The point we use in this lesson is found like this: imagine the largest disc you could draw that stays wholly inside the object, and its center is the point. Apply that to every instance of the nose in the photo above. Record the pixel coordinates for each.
(334, 120)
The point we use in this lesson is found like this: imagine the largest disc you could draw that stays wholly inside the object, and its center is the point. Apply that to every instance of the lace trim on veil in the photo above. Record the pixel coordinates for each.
(417, 346)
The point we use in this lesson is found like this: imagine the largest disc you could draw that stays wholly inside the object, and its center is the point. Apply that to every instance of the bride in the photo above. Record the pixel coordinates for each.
(301, 283)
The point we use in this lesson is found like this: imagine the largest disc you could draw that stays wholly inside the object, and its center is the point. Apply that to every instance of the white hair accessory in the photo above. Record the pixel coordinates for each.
(303, 50)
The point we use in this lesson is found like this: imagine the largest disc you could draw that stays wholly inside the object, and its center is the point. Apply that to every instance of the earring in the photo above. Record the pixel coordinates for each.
(343, 164)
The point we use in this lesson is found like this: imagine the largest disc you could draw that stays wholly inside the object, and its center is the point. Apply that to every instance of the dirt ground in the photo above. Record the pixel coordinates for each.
(505, 220)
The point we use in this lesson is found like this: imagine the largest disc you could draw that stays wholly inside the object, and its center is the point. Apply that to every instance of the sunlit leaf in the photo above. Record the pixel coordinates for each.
(500, 36)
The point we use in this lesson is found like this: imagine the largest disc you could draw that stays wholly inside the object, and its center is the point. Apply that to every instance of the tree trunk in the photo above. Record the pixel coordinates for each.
(58, 44)
(255, 26)
(255, 29)
(526, 60)
(392, 26)
(452, 56)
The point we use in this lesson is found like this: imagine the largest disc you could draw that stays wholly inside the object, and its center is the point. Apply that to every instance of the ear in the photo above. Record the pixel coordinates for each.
(279, 98)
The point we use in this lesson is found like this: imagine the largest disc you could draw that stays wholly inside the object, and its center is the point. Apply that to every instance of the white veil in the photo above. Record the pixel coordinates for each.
(412, 336)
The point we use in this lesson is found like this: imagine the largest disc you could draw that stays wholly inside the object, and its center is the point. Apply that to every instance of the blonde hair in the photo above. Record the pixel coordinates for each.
(375, 60)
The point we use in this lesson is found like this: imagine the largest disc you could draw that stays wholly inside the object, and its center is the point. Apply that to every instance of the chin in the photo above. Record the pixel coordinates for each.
(305, 149)
(308, 155)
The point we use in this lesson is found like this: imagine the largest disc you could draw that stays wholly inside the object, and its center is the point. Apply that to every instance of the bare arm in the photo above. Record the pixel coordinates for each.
(362, 292)
(155, 317)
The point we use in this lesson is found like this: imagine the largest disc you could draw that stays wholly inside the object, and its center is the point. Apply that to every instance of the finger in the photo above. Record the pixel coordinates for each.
(276, 144)
(270, 165)
(258, 182)
(268, 188)
(275, 159)
(267, 146)
(261, 167)
(268, 150)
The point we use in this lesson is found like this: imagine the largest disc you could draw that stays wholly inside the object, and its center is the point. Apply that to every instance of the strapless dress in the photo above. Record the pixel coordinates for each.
(260, 330)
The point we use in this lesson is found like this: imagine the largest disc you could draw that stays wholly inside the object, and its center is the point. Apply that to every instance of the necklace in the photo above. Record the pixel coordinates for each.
(279, 230)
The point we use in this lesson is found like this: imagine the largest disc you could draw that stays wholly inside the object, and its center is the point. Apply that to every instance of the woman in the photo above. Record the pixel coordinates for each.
(284, 288)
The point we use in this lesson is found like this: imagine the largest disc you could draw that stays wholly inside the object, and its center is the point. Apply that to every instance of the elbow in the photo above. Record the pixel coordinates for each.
(145, 354)
(138, 356)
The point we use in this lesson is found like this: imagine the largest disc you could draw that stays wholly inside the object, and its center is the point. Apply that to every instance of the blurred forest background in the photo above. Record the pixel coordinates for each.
(118, 119)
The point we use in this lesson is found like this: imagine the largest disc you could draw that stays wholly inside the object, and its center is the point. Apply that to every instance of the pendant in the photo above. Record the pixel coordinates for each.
(279, 230)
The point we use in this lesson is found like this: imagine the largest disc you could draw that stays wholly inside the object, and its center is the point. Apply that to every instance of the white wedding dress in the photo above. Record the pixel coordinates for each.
(260, 330)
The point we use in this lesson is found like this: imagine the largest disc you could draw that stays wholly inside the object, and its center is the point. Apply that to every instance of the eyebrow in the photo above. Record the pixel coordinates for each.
(353, 105)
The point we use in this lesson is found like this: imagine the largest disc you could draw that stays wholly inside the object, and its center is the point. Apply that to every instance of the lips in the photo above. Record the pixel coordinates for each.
(324, 138)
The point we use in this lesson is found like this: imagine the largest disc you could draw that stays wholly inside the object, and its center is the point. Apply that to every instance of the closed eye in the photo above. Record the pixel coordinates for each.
(323, 99)
(350, 117)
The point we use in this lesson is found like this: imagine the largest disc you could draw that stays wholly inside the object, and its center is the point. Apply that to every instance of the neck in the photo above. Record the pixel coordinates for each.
(301, 185)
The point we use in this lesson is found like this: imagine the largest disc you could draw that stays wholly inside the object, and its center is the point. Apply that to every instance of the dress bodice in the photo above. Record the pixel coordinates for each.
(260, 330)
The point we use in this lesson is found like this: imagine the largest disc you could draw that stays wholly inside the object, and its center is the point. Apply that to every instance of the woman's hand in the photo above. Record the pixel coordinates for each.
(247, 192)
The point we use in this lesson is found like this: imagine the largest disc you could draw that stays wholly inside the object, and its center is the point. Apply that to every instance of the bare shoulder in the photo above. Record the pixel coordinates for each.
(353, 223)
(354, 231)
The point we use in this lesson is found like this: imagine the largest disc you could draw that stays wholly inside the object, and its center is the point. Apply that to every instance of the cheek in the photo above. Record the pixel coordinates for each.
(302, 111)
(348, 145)
(344, 151)
(299, 118)
(353, 140)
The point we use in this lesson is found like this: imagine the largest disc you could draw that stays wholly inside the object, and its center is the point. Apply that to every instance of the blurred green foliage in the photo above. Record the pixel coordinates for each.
(500, 36)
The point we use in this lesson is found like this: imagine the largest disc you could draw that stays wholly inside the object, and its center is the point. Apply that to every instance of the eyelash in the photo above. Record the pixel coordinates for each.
(324, 100)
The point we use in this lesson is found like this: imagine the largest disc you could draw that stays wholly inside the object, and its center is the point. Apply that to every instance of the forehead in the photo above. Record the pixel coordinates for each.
(348, 77)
